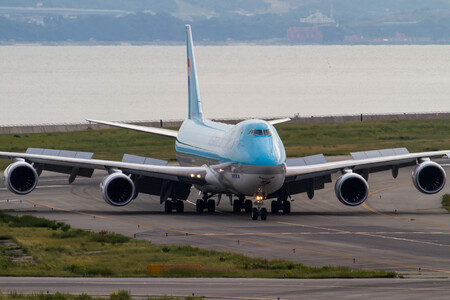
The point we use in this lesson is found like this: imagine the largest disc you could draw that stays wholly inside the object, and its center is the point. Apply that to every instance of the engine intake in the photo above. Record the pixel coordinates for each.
(351, 189)
(21, 178)
(429, 177)
(117, 189)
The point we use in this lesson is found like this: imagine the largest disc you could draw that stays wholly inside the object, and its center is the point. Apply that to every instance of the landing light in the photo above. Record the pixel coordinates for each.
(199, 176)
(192, 175)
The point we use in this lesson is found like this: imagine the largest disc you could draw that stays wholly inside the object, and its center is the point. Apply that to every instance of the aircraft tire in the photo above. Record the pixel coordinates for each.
(168, 206)
(237, 206)
(287, 207)
(274, 207)
(263, 213)
(254, 214)
(211, 205)
(248, 206)
(180, 206)
(199, 205)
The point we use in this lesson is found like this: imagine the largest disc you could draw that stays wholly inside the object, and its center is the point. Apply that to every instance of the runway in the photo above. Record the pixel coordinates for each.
(238, 288)
(397, 228)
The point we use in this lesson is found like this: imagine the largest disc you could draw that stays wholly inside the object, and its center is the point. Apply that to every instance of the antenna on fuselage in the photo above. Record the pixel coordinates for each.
(195, 101)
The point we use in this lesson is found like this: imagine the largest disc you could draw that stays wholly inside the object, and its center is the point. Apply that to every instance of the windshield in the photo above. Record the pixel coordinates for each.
(260, 132)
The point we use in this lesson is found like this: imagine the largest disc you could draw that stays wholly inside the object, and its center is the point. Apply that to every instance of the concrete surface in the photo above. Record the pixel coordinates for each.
(396, 229)
(238, 288)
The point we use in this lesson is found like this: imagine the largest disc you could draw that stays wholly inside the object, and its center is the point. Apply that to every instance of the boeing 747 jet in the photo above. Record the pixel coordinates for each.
(245, 162)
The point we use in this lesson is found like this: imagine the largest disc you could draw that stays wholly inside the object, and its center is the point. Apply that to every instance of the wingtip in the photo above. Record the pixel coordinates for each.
(278, 121)
(92, 121)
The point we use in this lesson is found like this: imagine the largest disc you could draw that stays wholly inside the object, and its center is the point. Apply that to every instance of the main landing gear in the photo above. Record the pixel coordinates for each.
(170, 205)
(242, 203)
(206, 202)
(285, 206)
(282, 203)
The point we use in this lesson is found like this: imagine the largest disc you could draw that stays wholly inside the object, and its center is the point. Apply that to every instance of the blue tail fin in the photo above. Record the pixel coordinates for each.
(195, 101)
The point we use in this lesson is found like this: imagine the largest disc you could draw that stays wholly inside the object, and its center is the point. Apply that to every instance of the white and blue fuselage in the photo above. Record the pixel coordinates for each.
(248, 158)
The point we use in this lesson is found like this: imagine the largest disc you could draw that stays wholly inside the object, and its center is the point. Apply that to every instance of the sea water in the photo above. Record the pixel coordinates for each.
(65, 84)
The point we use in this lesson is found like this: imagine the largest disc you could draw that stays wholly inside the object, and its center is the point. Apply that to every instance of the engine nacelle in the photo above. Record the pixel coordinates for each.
(429, 177)
(20, 177)
(118, 189)
(351, 189)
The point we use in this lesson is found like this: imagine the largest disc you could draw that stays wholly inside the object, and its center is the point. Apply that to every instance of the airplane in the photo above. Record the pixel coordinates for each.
(243, 162)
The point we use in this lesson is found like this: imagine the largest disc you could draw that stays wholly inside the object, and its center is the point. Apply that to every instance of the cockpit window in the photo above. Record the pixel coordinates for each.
(260, 132)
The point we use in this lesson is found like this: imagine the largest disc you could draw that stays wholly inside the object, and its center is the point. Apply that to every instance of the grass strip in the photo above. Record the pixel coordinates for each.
(299, 139)
(446, 202)
(343, 138)
(120, 295)
(58, 250)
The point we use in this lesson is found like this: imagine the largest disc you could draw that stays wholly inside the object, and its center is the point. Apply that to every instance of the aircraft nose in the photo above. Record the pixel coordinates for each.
(266, 153)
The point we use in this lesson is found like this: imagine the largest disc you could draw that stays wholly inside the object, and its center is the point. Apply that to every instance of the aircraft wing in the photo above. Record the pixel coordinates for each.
(371, 164)
(278, 121)
(153, 130)
(311, 173)
(149, 176)
(173, 172)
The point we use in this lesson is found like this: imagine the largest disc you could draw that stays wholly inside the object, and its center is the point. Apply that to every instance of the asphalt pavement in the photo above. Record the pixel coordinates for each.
(397, 229)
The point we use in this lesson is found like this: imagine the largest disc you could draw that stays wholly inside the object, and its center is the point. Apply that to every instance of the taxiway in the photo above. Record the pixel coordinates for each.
(397, 228)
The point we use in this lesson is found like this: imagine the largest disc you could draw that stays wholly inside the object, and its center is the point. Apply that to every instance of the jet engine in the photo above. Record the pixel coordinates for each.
(429, 177)
(351, 189)
(118, 189)
(21, 178)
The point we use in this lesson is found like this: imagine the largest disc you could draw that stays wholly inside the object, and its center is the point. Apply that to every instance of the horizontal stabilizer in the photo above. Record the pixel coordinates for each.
(306, 161)
(135, 159)
(379, 153)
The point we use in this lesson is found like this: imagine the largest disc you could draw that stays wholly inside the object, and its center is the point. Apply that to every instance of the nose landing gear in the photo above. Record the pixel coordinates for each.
(259, 211)
(262, 212)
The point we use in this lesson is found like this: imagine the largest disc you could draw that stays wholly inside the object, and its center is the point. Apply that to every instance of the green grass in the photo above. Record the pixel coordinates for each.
(59, 250)
(343, 138)
(446, 202)
(120, 295)
(299, 139)
(106, 144)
